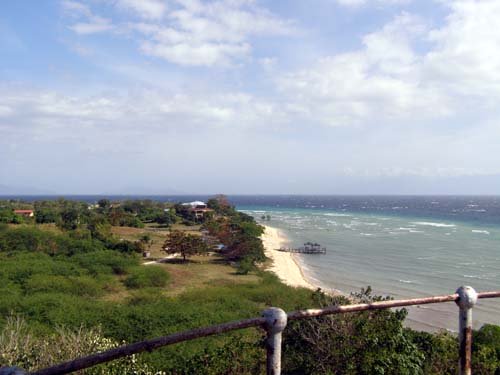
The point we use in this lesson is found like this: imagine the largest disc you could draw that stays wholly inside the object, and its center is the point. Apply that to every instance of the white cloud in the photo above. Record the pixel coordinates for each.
(380, 82)
(75, 8)
(390, 78)
(95, 24)
(210, 33)
(356, 3)
(417, 86)
(466, 57)
(203, 54)
(190, 32)
(149, 9)
(37, 109)
(5, 111)
(268, 63)
(88, 23)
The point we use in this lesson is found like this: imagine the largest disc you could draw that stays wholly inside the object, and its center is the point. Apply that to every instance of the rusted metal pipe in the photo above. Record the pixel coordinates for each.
(488, 295)
(467, 298)
(381, 305)
(276, 320)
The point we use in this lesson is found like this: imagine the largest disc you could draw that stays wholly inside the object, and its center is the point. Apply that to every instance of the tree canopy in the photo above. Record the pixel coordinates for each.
(185, 244)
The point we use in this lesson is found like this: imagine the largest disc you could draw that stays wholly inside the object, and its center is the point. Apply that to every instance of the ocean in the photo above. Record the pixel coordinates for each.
(401, 246)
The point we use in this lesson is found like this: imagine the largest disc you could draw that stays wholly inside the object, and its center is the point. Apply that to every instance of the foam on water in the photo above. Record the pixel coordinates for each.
(480, 231)
(405, 257)
(437, 225)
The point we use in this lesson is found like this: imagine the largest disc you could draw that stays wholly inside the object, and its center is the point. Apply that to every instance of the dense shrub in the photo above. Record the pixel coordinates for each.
(143, 277)
(486, 350)
(126, 247)
(237, 355)
(105, 262)
(19, 346)
(20, 267)
(30, 239)
(81, 285)
(372, 342)
(7, 215)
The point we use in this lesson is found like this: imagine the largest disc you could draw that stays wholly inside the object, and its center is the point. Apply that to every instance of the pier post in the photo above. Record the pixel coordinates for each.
(276, 320)
(467, 298)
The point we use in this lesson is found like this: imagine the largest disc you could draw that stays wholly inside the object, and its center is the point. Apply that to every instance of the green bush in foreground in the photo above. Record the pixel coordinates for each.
(372, 342)
(19, 347)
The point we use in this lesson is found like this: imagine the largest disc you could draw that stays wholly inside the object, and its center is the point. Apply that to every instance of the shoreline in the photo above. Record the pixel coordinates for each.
(288, 269)
(284, 265)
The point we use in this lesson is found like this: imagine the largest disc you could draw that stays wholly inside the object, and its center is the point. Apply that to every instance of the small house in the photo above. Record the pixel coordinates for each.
(25, 213)
(198, 209)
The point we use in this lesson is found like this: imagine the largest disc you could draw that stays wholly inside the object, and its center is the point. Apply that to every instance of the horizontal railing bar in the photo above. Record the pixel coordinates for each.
(488, 295)
(302, 314)
(149, 345)
(381, 305)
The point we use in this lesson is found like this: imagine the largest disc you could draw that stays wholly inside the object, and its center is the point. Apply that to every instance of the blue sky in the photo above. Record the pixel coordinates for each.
(250, 96)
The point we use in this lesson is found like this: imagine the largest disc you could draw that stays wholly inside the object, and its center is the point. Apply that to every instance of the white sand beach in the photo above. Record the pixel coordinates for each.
(284, 264)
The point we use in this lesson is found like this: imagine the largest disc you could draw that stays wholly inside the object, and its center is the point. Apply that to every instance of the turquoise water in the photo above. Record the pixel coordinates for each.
(403, 257)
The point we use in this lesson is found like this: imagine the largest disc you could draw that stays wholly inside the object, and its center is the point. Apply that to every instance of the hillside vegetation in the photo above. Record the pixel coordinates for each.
(73, 282)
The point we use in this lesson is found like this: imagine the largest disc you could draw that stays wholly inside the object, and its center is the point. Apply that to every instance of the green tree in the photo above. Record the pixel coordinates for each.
(104, 203)
(185, 244)
(220, 204)
(98, 226)
(7, 215)
(70, 218)
(146, 241)
(46, 215)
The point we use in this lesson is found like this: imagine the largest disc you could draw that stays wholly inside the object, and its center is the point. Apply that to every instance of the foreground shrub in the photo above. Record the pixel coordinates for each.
(235, 356)
(19, 347)
(143, 277)
(372, 342)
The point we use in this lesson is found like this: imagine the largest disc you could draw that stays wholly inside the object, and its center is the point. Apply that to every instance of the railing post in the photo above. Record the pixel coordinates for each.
(467, 298)
(276, 320)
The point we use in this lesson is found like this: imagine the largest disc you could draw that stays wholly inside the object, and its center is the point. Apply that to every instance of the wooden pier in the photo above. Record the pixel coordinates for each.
(308, 248)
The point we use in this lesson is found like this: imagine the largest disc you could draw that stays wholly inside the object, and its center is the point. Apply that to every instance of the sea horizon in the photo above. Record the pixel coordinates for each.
(398, 254)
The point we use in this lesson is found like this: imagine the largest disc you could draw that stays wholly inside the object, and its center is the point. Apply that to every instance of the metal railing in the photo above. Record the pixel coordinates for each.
(274, 321)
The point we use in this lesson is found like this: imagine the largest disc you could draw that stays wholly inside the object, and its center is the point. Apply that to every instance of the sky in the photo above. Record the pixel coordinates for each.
(250, 96)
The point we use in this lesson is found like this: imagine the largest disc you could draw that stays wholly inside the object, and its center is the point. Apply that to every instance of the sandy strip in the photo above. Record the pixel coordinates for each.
(284, 264)
(161, 260)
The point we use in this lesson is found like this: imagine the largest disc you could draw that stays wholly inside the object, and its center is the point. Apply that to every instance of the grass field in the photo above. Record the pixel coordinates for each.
(157, 234)
(202, 271)
(198, 272)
